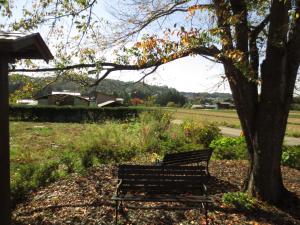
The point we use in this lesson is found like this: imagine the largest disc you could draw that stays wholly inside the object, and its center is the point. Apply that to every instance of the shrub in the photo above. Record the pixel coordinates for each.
(201, 134)
(70, 160)
(154, 127)
(291, 157)
(239, 200)
(229, 148)
(208, 133)
(29, 177)
(71, 113)
(22, 183)
(46, 173)
(171, 104)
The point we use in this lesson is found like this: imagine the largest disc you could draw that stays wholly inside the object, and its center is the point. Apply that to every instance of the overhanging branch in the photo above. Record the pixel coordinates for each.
(111, 67)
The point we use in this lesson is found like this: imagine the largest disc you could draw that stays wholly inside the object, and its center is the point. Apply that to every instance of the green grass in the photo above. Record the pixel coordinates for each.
(44, 152)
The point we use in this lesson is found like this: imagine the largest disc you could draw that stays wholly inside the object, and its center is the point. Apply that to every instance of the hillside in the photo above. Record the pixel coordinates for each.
(31, 87)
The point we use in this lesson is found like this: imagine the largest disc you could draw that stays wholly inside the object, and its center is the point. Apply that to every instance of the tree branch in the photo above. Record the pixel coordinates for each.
(111, 67)
(255, 32)
(147, 74)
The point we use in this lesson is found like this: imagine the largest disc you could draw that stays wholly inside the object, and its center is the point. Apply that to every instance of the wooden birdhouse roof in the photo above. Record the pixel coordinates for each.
(24, 46)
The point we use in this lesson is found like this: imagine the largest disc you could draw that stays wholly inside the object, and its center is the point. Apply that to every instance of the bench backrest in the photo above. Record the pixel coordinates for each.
(161, 179)
(182, 158)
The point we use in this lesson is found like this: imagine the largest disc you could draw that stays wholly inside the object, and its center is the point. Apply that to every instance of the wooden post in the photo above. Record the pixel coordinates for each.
(5, 206)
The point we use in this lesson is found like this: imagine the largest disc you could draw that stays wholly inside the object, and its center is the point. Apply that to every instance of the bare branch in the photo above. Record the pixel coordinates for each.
(255, 32)
(147, 74)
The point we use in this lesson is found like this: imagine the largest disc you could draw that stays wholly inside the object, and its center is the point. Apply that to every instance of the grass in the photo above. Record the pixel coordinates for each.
(44, 152)
(229, 118)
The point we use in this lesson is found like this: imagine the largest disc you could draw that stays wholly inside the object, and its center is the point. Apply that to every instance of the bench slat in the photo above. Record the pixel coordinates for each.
(196, 152)
(165, 198)
(161, 177)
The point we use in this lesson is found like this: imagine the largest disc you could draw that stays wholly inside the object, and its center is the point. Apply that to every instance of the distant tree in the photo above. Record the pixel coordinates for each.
(136, 101)
(171, 104)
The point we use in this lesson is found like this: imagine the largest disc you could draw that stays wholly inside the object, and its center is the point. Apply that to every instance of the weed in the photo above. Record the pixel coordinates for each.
(239, 200)
(229, 148)
(291, 157)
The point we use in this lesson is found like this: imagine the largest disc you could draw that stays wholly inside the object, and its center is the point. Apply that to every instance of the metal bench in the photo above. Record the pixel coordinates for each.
(190, 157)
(153, 183)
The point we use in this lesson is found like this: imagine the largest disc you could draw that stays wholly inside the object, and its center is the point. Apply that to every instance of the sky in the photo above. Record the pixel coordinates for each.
(190, 74)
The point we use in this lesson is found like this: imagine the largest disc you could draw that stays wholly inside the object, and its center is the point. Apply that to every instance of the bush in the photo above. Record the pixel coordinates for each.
(295, 106)
(22, 183)
(208, 133)
(291, 157)
(154, 127)
(29, 177)
(229, 148)
(46, 173)
(239, 200)
(171, 104)
(71, 113)
(201, 134)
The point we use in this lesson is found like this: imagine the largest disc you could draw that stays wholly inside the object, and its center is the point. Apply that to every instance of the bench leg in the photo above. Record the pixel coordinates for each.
(206, 213)
(116, 212)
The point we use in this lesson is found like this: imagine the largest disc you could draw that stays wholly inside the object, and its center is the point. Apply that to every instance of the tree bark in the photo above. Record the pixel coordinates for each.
(264, 119)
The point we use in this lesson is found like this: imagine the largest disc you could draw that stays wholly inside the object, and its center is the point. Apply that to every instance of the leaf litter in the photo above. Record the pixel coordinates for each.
(85, 199)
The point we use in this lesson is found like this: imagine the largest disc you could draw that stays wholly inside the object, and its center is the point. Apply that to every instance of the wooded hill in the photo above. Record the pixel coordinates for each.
(21, 86)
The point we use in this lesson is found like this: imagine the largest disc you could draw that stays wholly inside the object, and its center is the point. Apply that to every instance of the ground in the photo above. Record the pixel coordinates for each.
(85, 199)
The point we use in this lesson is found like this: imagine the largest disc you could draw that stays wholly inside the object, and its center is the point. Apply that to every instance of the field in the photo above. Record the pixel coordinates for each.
(229, 118)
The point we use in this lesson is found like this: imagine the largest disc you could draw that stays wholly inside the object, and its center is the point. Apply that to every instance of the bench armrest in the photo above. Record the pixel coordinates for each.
(159, 162)
(118, 187)
(204, 189)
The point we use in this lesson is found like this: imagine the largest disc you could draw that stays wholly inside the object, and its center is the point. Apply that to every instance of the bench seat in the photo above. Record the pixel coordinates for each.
(157, 183)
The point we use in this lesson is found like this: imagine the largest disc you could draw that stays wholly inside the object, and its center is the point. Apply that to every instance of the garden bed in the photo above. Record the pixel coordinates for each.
(86, 200)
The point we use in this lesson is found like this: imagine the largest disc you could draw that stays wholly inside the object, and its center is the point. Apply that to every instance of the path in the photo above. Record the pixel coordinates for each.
(236, 132)
(227, 131)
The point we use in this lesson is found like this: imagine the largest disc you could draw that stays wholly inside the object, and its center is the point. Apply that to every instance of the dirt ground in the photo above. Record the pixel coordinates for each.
(86, 200)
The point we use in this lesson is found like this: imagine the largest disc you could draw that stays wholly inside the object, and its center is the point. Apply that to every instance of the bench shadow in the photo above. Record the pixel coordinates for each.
(218, 186)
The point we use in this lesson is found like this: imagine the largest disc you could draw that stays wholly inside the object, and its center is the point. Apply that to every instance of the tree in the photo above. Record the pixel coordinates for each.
(258, 43)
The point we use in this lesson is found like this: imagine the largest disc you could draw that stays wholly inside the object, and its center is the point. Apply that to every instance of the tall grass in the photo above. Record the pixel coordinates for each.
(44, 152)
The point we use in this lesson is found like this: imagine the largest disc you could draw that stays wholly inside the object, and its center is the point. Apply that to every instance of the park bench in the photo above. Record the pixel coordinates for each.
(161, 184)
(190, 157)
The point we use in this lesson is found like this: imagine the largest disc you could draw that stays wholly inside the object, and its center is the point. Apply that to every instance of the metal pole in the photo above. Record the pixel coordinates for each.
(5, 206)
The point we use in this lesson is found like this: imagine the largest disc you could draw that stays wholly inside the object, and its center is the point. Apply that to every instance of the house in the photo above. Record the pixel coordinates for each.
(103, 100)
(27, 102)
(110, 104)
(225, 105)
(65, 92)
(197, 107)
(208, 106)
(63, 99)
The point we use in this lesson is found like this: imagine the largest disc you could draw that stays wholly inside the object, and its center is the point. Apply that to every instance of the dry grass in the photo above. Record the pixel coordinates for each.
(229, 118)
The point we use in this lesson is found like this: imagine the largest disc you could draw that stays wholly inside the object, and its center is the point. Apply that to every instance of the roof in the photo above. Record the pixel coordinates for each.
(66, 93)
(105, 103)
(62, 95)
(24, 46)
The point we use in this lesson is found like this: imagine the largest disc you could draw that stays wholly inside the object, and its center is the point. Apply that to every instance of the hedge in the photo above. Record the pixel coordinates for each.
(71, 113)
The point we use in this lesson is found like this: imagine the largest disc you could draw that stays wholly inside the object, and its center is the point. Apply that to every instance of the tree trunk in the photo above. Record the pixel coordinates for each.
(264, 118)
(264, 179)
